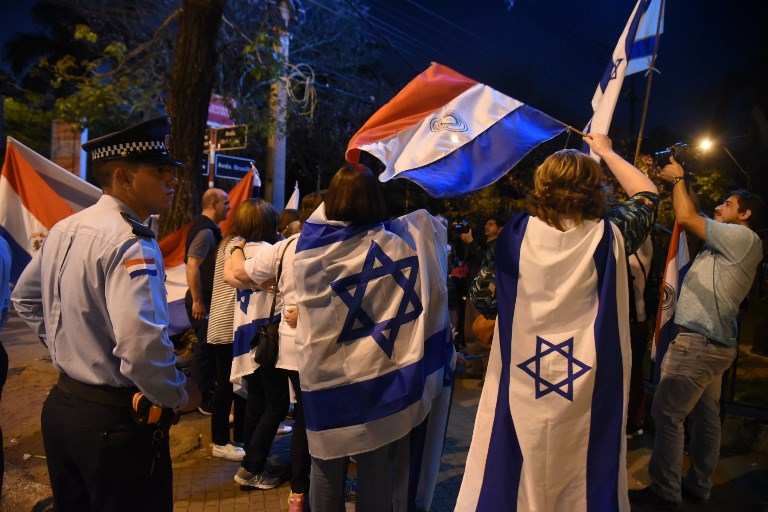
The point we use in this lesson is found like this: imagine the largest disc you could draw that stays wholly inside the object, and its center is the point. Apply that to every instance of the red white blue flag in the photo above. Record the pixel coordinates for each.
(450, 134)
(677, 264)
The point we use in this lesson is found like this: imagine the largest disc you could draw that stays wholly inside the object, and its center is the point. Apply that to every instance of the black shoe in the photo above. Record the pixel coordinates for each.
(646, 499)
(693, 498)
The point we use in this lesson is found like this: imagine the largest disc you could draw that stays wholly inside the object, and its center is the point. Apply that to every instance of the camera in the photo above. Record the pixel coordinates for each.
(460, 226)
(681, 151)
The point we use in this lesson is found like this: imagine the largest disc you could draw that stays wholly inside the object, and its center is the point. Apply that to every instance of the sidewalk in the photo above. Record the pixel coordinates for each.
(203, 483)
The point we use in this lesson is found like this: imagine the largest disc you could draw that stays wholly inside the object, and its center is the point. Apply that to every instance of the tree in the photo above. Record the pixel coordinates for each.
(190, 92)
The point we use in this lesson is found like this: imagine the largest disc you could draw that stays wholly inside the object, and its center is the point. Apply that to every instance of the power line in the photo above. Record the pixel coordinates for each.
(386, 28)
(373, 32)
(442, 18)
(365, 20)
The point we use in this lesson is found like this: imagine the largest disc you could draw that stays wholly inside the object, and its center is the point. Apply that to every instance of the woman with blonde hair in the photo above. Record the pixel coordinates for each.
(245, 228)
(549, 432)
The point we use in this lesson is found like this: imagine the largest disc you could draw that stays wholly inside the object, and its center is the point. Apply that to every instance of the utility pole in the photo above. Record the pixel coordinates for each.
(278, 106)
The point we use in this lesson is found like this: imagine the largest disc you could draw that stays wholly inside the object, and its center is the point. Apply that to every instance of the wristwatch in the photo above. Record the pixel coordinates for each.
(677, 180)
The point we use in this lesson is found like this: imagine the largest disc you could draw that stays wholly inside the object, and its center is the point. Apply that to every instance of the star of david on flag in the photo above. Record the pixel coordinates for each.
(543, 385)
(243, 298)
(351, 289)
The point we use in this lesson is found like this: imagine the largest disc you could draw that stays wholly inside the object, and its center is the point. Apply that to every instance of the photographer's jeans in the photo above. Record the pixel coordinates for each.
(691, 380)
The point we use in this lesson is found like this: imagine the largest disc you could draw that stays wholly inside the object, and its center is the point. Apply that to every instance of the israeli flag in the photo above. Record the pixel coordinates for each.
(251, 312)
(633, 53)
(374, 337)
(549, 431)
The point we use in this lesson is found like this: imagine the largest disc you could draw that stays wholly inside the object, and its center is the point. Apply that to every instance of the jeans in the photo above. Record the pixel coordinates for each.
(691, 381)
(382, 480)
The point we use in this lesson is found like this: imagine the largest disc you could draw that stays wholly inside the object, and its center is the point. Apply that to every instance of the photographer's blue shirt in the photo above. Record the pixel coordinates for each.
(718, 281)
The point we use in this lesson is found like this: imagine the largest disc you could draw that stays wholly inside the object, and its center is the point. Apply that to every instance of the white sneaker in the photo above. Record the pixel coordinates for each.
(228, 451)
(284, 429)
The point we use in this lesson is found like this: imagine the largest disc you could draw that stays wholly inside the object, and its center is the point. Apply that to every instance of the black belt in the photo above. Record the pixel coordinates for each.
(104, 395)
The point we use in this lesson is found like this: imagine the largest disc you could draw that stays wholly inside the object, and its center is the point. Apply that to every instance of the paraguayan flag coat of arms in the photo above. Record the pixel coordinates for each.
(373, 332)
(549, 431)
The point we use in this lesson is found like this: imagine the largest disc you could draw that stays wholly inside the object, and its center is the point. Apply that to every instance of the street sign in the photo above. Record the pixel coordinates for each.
(232, 167)
(226, 139)
(218, 111)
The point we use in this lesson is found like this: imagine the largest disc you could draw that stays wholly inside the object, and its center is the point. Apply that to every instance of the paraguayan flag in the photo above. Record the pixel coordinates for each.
(251, 312)
(549, 431)
(373, 332)
(633, 53)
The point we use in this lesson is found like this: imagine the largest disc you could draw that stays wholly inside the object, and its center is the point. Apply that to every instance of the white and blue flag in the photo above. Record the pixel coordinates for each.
(549, 431)
(633, 53)
(374, 338)
(251, 312)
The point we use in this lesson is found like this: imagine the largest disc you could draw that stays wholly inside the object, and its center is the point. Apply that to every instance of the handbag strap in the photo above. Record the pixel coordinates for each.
(277, 280)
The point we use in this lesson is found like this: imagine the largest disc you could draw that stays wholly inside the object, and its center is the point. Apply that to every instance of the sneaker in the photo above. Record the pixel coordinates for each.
(295, 502)
(258, 481)
(228, 451)
(284, 429)
(646, 499)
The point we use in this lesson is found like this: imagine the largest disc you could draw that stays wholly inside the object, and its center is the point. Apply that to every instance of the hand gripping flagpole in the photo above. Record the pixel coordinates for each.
(649, 81)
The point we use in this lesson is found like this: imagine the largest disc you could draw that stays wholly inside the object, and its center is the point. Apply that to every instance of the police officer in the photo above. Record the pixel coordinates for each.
(95, 295)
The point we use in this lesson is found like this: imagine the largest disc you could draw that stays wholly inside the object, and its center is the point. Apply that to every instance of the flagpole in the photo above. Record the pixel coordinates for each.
(648, 84)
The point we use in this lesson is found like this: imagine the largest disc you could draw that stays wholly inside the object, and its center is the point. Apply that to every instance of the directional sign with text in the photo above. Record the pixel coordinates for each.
(232, 167)
(227, 139)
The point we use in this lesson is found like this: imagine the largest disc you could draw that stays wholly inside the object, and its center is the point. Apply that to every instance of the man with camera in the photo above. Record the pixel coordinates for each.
(705, 347)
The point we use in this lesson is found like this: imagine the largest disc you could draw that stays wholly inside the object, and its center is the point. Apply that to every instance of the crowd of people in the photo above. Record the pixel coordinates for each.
(278, 305)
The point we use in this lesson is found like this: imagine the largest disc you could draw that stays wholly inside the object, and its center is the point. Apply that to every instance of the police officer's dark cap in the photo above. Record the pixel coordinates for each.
(145, 142)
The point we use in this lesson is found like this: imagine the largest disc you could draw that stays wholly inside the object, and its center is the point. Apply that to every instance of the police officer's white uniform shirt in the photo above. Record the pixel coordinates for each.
(95, 293)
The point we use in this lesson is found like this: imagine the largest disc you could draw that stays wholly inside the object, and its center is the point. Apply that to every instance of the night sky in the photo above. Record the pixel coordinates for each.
(551, 53)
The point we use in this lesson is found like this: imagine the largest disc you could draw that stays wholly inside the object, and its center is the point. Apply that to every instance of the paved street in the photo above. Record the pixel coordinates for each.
(202, 483)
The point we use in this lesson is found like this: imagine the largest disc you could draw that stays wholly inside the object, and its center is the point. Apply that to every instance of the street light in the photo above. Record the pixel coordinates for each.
(705, 144)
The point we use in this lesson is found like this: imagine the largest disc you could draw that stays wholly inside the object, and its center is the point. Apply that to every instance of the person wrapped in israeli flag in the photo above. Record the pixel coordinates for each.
(374, 339)
(251, 312)
(549, 431)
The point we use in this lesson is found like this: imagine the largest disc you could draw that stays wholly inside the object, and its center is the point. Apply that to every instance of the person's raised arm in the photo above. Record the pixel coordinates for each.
(631, 179)
(685, 209)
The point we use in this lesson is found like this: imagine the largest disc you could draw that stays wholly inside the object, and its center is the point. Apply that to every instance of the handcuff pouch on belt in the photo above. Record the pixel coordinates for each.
(144, 412)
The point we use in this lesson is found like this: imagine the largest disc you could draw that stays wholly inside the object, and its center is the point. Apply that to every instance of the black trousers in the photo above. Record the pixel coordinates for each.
(636, 407)
(99, 460)
(266, 407)
(3, 376)
(224, 397)
(203, 366)
(301, 462)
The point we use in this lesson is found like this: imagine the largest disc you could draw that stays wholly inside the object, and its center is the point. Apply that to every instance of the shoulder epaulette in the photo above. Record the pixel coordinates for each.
(138, 228)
